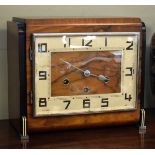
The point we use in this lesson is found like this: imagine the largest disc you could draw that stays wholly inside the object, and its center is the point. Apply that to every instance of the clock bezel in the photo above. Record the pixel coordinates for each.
(34, 35)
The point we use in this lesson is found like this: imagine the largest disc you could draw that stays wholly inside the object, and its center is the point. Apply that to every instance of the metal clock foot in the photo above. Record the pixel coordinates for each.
(142, 127)
(24, 135)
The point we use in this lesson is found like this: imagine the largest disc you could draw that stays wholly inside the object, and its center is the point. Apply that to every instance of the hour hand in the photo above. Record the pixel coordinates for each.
(103, 78)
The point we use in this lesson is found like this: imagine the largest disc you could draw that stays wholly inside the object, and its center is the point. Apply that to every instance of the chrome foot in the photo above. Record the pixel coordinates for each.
(142, 127)
(24, 135)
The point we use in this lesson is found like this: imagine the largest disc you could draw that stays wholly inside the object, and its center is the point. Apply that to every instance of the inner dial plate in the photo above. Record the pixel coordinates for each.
(84, 73)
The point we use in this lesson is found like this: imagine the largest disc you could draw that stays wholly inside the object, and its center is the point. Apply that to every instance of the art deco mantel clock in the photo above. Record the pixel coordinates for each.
(74, 72)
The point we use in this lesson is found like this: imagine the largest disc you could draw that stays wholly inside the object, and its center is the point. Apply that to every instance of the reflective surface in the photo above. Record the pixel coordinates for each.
(88, 72)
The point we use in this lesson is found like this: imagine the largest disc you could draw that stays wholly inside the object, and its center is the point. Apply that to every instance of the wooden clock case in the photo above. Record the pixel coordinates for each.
(19, 33)
(152, 66)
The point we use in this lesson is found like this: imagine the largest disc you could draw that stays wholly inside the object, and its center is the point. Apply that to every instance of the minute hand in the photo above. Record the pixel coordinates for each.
(87, 73)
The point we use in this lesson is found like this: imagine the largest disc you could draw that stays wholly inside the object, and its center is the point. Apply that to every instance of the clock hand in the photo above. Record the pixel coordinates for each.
(87, 73)
(103, 78)
(100, 77)
(68, 63)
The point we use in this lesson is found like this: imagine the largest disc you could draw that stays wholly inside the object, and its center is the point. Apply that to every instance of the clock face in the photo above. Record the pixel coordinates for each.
(82, 73)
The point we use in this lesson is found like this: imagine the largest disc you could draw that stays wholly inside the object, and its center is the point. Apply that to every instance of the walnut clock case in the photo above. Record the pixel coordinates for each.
(74, 72)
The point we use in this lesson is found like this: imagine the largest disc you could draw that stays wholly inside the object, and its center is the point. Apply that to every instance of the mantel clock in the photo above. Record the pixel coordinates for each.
(74, 72)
